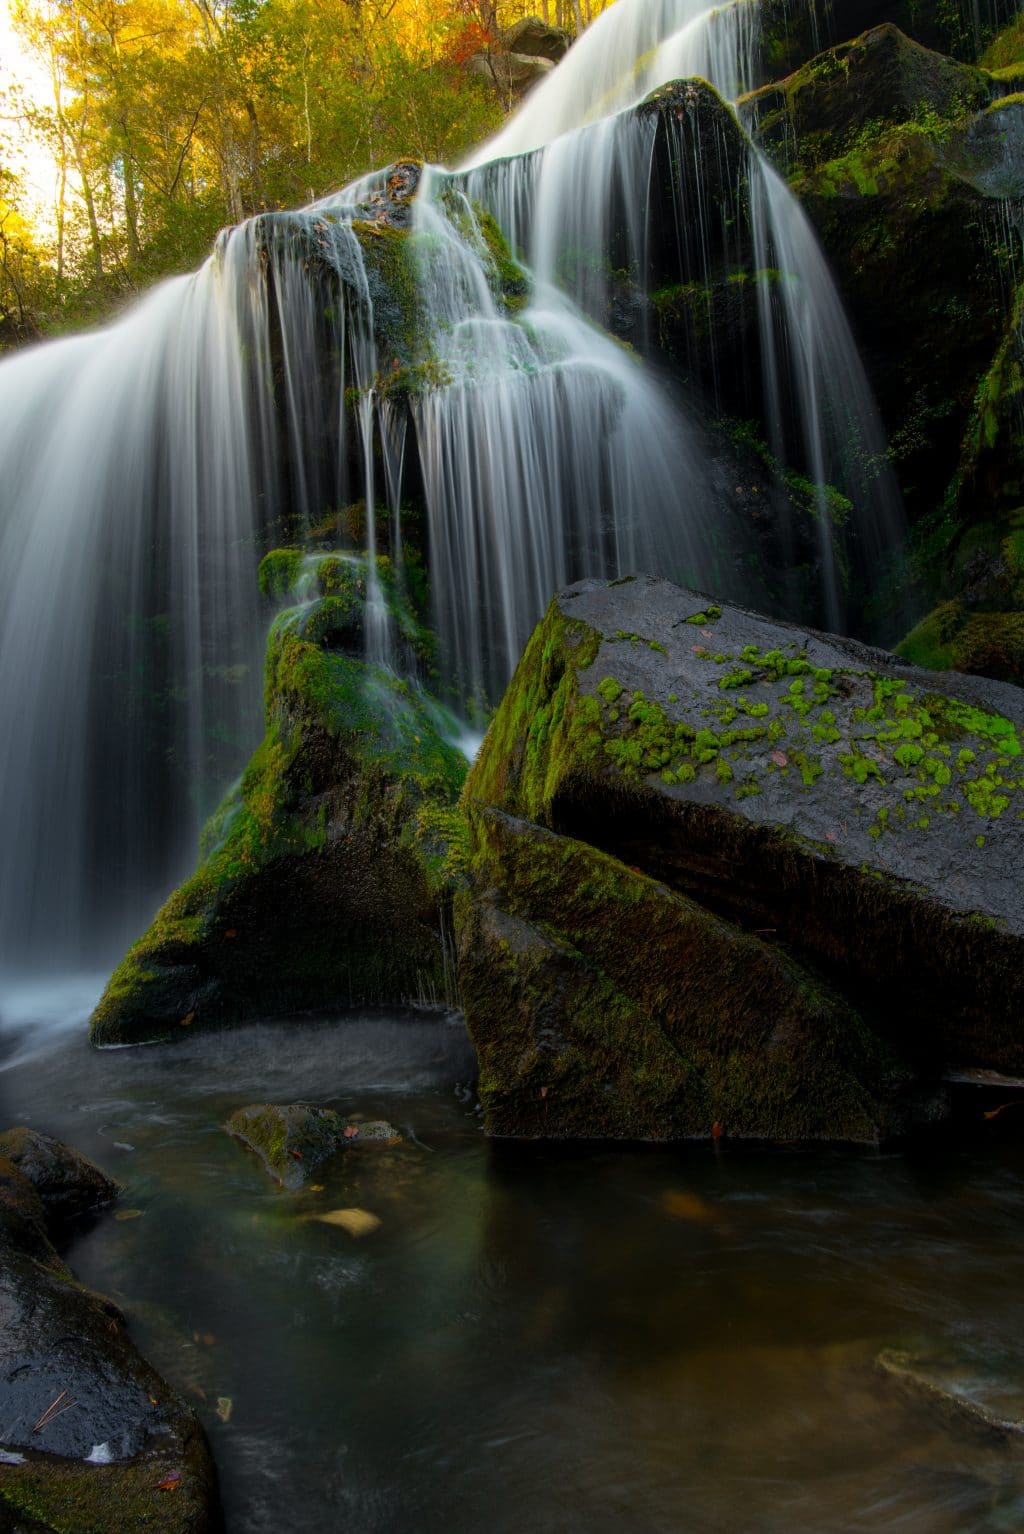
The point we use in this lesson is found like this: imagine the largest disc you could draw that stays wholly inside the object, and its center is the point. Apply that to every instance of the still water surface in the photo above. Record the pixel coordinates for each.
(552, 1340)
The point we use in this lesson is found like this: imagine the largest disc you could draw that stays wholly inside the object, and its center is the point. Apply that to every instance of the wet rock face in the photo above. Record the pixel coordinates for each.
(90, 1431)
(814, 797)
(68, 1183)
(323, 881)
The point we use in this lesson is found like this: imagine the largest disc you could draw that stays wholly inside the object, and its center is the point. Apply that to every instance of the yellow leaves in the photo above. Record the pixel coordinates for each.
(225, 1406)
(358, 1222)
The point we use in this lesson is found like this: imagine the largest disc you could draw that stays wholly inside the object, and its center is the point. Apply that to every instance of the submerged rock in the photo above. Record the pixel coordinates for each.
(724, 869)
(93, 1437)
(323, 881)
(292, 1139)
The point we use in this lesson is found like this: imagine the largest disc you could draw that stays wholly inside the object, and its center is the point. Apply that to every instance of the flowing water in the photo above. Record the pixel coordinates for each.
(148, 465)
(575, 1340)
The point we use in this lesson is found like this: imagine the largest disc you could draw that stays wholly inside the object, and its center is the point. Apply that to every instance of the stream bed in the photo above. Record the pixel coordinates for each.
(543, 1339)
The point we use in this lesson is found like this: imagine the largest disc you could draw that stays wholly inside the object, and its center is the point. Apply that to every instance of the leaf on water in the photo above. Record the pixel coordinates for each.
(358, 1222)
(225, 1406)
(994, 1113)
(186, 1020)
(169, 1483)
(128, 1214)
(314, 1187)
(688, 1206)
(717, 1131)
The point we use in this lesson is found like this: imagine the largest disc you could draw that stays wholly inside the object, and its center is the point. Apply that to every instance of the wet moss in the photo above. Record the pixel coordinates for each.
(579, 1032)
(64, 1497)
(328, 810)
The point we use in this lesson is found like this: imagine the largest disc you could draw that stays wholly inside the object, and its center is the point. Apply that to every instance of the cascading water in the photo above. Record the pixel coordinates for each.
(148, 465)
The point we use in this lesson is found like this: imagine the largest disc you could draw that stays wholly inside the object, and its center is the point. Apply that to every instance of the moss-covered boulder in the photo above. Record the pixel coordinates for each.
(323, 877)
(863, 817)
(792, 31)
(602, 1003)
(879, 141)
(294, 1138)
(94, 1440)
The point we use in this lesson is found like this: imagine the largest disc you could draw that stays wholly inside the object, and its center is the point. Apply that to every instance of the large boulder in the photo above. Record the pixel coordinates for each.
(323, 877)
(781, 862)
(880, 141)
(68, 1182)
(93, 1438)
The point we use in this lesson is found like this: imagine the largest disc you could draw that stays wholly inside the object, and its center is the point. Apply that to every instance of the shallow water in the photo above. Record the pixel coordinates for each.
(544, 1339)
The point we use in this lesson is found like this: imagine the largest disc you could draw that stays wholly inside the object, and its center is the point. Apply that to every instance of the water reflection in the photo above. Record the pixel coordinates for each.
(547, 1338)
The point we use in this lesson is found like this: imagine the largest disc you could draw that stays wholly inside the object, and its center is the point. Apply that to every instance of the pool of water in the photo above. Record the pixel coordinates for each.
(542, 1339)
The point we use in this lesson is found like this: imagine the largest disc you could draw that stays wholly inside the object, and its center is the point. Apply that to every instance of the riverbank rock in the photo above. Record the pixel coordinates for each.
(324, 876)
(727, 871)
(68, 1183)
(292, 1139)
(92, 1438)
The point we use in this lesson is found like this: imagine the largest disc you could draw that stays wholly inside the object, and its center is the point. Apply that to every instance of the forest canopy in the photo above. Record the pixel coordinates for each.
(166, 119)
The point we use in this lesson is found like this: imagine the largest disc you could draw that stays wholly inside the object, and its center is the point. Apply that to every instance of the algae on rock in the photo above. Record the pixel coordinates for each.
(865, 818)
(323, 877)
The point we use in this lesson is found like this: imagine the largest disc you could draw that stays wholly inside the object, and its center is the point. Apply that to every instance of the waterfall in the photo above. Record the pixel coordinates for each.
(148, 465)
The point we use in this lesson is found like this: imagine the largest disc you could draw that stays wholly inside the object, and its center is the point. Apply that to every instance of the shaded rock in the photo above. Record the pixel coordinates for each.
(878, 139)
(962, 1397)
(509, 72)
(96, 1428)
(324, 880)
(793, 31)
(602, 1003)
(68, 1183)
(292, 1139)
(534, 38)
(865, 816)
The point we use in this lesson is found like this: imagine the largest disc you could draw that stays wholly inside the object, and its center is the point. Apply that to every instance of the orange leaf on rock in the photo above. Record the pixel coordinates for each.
(169, 1483)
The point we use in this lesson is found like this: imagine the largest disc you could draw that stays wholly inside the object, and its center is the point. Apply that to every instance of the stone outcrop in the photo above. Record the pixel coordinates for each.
(726, 870)
(322, 879)
(92, 1438)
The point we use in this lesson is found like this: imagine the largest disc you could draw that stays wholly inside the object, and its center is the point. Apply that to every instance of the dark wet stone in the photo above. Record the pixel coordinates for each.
(68, 1183)
(90, 1428)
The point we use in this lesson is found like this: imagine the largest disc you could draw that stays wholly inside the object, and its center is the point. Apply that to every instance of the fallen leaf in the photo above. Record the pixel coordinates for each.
(225, 1406)
(351, 1130)
(208, 1339)
(780, 758)
(358, 1222)
(128, 1214)
(994, 1113)
(688, 1206)
(231, 932)
(169, 1483)
(186, 1020)
(296, 1154)
(717, 1131)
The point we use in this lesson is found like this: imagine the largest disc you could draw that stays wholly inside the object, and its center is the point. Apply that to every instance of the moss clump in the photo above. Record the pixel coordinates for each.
(328, 810)
(58, 1496)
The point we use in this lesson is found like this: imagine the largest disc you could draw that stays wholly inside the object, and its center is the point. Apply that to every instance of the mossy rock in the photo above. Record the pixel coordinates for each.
(324, 879)
(68, 1183)
(792, 31)
(151, 1467)
(891, 149)
(867, 816)
(604, 1004)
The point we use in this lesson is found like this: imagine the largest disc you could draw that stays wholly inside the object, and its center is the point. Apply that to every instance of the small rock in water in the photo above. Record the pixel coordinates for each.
(291, 1139)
